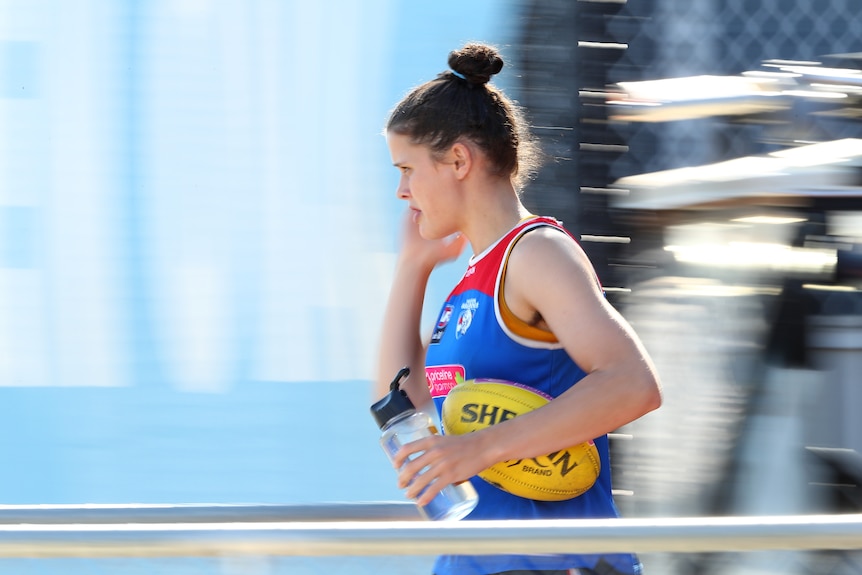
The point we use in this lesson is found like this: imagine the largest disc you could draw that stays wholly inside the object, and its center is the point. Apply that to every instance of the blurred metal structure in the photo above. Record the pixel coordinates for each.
(108, 514)
(778, 86)
(569, 53)
(573, 53)
(793, 178)
(70, 533)
(716, 188)
(765, 226)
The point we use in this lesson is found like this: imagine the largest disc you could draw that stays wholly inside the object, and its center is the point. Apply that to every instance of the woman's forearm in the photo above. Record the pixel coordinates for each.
(401, 340)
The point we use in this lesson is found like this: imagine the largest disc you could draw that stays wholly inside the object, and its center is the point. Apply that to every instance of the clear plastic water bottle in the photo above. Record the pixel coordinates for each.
(402, 423)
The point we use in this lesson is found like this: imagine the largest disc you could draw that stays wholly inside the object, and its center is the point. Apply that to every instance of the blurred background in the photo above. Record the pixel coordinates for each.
(198, 227)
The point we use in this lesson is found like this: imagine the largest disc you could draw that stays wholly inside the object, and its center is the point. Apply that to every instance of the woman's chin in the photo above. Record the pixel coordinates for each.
(430, 234)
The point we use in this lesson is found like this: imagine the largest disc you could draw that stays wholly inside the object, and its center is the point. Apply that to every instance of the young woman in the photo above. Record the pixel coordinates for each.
(528, 309)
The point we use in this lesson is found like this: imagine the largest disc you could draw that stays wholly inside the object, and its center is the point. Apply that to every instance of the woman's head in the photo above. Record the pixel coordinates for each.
(461, 105)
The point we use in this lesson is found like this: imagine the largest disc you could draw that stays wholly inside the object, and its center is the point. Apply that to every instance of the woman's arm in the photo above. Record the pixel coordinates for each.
(401, 342)
(621, 384)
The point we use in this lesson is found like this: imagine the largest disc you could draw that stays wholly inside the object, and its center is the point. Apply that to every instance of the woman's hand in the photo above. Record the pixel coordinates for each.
(428, 253)
(443, 460)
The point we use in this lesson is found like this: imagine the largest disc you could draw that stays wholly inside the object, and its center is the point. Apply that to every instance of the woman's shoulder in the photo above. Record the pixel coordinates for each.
(549, 251)
(546, 236)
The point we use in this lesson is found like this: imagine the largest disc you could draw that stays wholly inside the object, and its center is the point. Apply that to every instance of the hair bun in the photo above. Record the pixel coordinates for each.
(476, 62)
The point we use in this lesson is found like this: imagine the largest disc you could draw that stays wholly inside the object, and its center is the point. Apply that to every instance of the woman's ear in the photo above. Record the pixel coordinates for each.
(462, 159)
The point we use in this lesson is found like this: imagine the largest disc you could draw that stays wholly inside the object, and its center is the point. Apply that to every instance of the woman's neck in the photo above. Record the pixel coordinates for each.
(496, 212)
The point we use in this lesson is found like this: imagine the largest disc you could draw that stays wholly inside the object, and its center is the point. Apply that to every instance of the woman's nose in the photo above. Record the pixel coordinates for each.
(403, 192)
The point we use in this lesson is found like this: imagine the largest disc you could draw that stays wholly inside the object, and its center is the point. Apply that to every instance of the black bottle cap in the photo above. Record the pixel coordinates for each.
(396, 401)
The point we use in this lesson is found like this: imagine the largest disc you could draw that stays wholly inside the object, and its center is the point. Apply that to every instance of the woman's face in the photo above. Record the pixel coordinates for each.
(427, 185)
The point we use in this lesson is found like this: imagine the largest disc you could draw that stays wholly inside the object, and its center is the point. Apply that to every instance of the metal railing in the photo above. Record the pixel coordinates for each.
(387, 529)
(198, 513)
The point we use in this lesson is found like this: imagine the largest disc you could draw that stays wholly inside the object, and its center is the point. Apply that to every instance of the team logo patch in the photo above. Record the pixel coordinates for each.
(465, 318)
(445, 316)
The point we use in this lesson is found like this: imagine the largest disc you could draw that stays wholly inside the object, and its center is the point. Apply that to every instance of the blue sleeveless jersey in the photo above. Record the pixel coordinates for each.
(475, 338)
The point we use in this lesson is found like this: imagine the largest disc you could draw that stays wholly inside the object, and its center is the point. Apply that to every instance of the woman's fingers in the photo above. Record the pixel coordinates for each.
(430, 464)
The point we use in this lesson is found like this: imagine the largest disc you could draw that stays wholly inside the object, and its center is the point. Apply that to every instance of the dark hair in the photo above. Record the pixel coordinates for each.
(462, 104)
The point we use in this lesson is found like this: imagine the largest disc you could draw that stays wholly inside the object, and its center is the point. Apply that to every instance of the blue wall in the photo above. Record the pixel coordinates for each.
(197, 232)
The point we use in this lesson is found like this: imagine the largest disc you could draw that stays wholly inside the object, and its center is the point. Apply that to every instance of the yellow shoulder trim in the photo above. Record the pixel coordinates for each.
(515, 324)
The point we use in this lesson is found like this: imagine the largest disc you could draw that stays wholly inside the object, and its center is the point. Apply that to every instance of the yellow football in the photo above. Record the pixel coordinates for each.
(477, 403)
